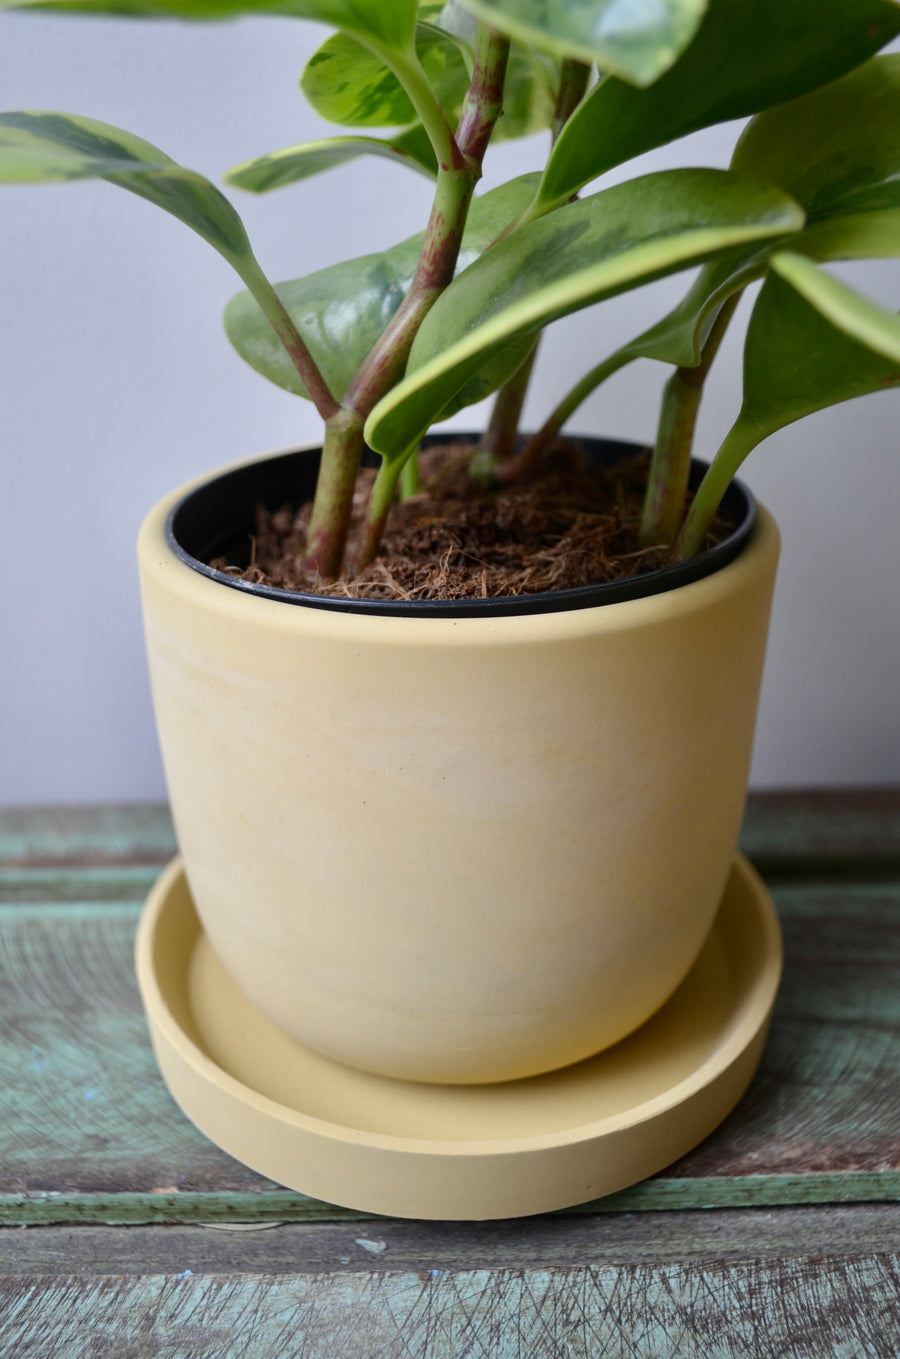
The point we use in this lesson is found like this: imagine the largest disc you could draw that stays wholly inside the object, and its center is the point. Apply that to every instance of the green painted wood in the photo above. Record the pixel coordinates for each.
(109, 882)
(783, 831)
(384, 1244)
(823, 831)
(88, 1132)
(127, 1209)
(783, 1309)
(133, 833)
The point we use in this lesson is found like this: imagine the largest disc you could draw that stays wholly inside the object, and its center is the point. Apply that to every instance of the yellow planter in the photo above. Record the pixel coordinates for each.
(456, 849)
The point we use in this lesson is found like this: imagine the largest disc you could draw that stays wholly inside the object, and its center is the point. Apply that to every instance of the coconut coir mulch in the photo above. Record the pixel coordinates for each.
(556, 529)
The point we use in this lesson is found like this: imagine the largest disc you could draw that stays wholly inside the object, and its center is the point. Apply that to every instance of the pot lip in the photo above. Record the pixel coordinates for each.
(662, 581)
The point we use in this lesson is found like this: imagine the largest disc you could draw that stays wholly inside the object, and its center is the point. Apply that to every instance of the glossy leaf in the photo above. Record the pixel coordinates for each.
(294, 163)
(636, 40)
(841, 306)
(341, 311)
(42, 147)
(529, 95)
(388, 24)
(747, 56)
(837, 152)
(588, 250)
(812, 342)
(349, 85)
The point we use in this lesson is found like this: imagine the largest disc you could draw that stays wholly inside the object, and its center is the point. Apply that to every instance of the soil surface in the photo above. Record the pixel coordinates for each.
(556, 529)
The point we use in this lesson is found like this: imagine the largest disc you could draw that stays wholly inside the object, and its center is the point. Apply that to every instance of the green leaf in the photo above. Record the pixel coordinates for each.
(795, 364)
(388, 24)
(529, 94)
(294, 163)
(747, 56)
(837, 152)
(341, 311)
(41, 147)
(635, 39)
(622, 237)
(812, 342)
(349, 85)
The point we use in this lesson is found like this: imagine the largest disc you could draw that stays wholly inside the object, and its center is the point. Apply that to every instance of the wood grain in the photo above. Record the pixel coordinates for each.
(552, 1241)
(88, 1134)
(782, 1309)
(79, 836)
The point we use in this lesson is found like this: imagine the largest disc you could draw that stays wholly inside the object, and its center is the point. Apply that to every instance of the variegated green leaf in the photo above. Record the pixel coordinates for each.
(529, 94)
(44, 146)
(812, 342)
(846, 310)
(348, 84)
(837, 152)
(341, 311)
(294, 163)
(588, 250)
(635, 39)
(387, 24)
(747, 56)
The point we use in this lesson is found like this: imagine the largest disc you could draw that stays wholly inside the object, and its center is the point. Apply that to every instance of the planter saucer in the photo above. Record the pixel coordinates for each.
(458, 1152)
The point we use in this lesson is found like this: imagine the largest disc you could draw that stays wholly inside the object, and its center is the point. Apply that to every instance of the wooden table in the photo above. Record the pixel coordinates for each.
(777, 1237)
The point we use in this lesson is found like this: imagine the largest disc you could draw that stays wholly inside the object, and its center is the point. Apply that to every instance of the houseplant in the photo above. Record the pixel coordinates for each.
(813, 179)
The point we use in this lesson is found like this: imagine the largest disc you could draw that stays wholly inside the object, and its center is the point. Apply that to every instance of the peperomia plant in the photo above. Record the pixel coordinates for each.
(388, 344)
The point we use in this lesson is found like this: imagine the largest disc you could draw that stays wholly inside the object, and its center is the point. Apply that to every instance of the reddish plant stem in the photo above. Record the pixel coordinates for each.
(671, 464)
(387, 360)
(327, 533)
(298, 353)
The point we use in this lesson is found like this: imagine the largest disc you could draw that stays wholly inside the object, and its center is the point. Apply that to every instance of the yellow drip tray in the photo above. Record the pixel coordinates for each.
(458, 1152)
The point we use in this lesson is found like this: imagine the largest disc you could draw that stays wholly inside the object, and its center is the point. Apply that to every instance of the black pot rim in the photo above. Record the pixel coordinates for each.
(184, 521)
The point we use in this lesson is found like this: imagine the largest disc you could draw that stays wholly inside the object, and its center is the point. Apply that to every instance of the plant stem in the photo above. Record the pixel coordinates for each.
(386, 361)
(408, 70)
(741, 438)
(411, 476)
(671, 464)
(380, 500)
(273, 308)
(327, 533)
(537, 445)
(500, 436)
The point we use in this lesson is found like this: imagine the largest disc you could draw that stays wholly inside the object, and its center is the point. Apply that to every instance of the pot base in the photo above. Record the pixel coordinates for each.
(458, 1152)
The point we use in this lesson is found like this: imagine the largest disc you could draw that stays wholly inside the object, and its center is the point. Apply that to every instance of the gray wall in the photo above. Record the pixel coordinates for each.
(118, 384)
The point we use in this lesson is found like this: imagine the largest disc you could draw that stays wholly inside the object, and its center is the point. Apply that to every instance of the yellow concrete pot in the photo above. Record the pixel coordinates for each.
(456, 849)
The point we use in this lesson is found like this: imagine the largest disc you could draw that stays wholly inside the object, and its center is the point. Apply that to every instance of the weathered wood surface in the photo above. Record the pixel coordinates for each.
(89, 1135)
(88, 1132)
(768, 1309)
(391, 1245)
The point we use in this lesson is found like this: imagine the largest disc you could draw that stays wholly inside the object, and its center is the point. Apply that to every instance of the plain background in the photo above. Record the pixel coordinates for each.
(118, 384)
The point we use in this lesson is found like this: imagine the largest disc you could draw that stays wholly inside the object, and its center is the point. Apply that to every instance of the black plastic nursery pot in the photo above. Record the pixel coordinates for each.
(215, 520)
